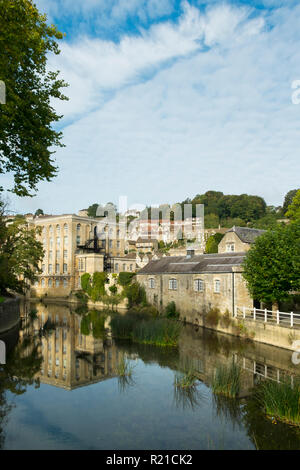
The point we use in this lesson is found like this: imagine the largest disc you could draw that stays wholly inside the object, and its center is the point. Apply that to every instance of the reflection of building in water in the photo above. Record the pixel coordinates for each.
(70, 358)
(204, 351)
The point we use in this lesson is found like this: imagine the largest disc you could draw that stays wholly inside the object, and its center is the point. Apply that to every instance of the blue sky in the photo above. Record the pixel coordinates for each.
(172, 98)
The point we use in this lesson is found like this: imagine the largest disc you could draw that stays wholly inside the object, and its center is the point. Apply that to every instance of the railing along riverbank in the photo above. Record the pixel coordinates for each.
(290, 319)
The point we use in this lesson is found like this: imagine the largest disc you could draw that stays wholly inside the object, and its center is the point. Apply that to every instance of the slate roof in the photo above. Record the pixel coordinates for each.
(247, 235)
(207, 263)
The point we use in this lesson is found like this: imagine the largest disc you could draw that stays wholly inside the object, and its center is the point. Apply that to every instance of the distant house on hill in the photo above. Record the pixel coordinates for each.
(239, 239)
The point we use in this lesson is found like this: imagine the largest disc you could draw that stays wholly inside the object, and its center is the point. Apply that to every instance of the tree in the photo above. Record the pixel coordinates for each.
(272, 265)
(289, 199)
(39, 212)
(20, 254)
(293, 211)
(26, 133)
(213, 243)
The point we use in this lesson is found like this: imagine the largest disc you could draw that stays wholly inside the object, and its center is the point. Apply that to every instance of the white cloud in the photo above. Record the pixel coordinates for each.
(94, 66)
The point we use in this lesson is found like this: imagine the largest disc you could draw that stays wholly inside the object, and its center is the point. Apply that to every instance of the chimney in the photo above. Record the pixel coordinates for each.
(190, 252)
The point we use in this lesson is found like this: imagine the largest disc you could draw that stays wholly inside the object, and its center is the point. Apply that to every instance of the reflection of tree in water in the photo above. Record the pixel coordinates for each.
(22, 363)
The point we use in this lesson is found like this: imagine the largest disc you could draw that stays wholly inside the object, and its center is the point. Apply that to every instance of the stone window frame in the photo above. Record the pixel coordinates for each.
(197, 283)
(173, 284)
(217, 282)
(229, 246)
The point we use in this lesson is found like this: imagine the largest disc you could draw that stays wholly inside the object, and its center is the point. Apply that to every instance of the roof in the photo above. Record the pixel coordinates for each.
(245, 234)
(207, 263)
(146, 240)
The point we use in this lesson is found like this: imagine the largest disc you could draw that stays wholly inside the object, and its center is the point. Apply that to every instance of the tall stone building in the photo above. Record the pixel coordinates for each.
(74, 245)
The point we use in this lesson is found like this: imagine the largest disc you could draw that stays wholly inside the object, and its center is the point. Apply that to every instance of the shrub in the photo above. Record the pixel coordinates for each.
(171, 311)
(125, 278)
(113, 289)
(135, 294)
(85, 282)
(213, 317)
(226, 319)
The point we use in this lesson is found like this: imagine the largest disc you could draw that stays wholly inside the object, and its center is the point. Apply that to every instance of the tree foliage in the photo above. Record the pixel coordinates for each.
(289, 199)
(272, 265)
(26, 132)
(20, 254)
(293, 211)
(213, 243)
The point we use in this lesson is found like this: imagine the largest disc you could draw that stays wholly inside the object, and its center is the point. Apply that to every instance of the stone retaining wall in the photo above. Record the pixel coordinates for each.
(9, 314)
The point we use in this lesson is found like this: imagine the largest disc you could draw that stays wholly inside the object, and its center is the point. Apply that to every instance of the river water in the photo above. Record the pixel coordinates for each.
(60, 389)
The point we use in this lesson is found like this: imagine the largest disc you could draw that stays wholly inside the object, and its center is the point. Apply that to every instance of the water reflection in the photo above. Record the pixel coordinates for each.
(69, 349)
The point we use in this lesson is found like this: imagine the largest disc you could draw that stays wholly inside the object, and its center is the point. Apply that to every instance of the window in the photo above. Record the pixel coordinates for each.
(116, 267)
(118, 244)
(217, 286)
(65, 254)
(65, 228)
(50, 255)
(56, 282)
(57, 229)
(66, 240)
(50, 268)
(65, 283)
(199, 285)
(43, 268)
(78, 240)
(130, 267)
(36, 283)
(57, 254)
(151, 283)
(81, 264)
(173, 284)
(50, 229)
(65, 268)
(50, 283)
(79, 282)
(229, 246)
(58, 241)
(57, 268)
(124, 267)
(110, 243)
(50, 243)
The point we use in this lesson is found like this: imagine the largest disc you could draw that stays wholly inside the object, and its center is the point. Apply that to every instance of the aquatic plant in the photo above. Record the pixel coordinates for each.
(125, 374)
(227, 380)
(280, 401)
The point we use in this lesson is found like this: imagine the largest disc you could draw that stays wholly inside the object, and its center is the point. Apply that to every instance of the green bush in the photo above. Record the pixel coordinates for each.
(85, 282)
(125, 278)
(135, 294)
(171, 311)
(113, 289)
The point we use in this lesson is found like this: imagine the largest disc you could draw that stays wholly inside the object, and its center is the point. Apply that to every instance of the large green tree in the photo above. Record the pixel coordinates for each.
(20, 254)
(27, 136)
(293, 211)
(272, 265)
(288, 199)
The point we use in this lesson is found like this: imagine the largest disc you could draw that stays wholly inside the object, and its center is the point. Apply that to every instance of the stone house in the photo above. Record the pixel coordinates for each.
(238, 239)
(196, 283)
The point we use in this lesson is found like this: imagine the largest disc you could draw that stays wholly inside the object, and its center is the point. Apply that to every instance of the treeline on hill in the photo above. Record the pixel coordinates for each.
(225, 210)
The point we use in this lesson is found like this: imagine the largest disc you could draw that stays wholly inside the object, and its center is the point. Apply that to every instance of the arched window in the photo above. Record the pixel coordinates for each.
(199, 285)
(43, 283)
(49, 282)
(50, 229)
(65, 281)
(65, 228)
(57, 229)
(56, 282)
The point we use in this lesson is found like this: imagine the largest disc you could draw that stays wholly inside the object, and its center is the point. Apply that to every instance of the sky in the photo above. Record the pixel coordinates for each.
(170, 98)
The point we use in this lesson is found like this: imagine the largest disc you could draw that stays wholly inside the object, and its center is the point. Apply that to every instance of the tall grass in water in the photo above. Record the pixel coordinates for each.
(146, 330)
(125, 371)
(280, 400)
(227, 380)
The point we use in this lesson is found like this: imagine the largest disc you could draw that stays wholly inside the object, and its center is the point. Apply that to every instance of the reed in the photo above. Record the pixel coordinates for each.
(280, 401)
(227, 380)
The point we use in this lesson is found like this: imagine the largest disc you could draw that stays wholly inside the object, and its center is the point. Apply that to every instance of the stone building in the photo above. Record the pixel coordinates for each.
(196, 283)
(238, 239)
(74, 245)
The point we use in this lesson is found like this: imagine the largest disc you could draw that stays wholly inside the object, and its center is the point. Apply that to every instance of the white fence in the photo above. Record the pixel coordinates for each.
(268, 316)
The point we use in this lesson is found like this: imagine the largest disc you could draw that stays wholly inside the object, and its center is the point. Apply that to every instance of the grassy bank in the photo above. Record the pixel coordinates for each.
(146, 330)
